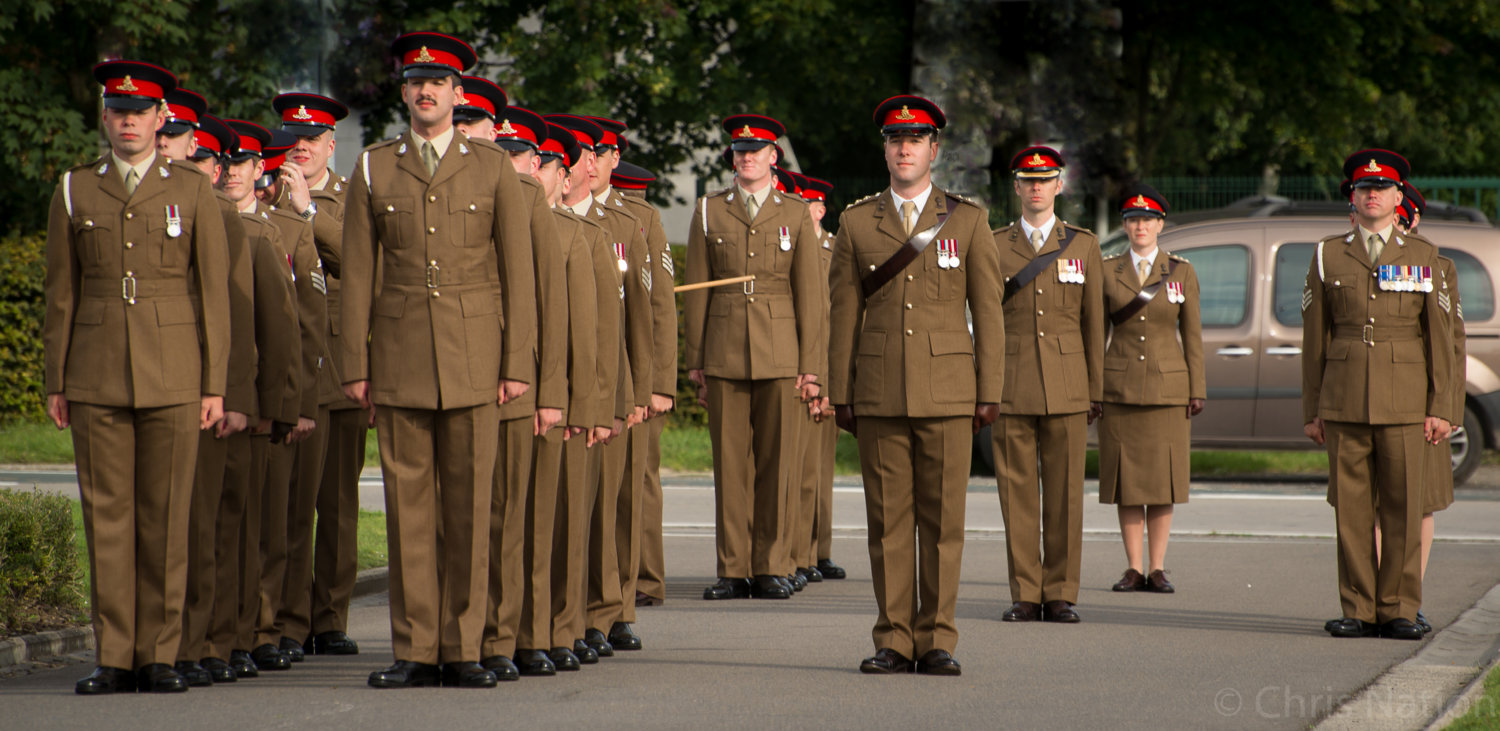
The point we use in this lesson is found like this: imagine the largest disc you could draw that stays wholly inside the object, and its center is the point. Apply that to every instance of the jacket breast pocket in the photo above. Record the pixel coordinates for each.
(91, 236)
(943, 284)
(473, 219)
(394, 221)
(1343, 299)
(1405, 304)
(722, 249)
(952, 371)
(869, 368)
(173, 248)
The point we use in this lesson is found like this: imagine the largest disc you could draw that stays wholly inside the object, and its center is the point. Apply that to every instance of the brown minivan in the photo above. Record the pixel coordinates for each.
(1251, 267)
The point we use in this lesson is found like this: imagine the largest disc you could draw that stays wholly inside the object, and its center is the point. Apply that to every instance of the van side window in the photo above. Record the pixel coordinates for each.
(1223, 282)
(1475, 287)
(1292, 262)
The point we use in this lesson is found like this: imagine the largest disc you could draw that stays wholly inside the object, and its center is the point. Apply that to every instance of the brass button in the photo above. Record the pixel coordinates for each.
(471, 206)
(129, 245)
(908, 305)
(434, 293)
(1038, 312)
(752, 255)
(129, 216)
(908, 332)
(431, 199)
(752, 230)
(872, 267)
(752, 299)
(1143, 338)
(129, 274)
(1143, 357)
(718, 241)
(1039, 291)
(1372, 321)
(89, 223)
(390, 209)
(1041, 334)
(431, 229)
(1372, 295)
(1143, 318)
(909, 277)
(432, 263)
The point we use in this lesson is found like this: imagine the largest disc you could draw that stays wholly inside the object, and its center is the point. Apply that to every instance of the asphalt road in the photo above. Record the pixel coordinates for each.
(1239, 645)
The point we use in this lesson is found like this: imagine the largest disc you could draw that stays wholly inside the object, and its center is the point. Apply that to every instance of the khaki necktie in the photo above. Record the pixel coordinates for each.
(908, 215)
(1037, 239)
(1142, 270)
(1375, 246)
(752, 206)
(132, 179)
(429, 158)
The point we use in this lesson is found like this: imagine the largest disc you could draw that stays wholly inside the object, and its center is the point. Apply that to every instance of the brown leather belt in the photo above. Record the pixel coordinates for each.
(131, 288)
(1372, 334)
(435, 275)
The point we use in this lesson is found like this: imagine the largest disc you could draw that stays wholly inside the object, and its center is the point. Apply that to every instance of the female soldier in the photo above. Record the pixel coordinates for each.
(1153, 383)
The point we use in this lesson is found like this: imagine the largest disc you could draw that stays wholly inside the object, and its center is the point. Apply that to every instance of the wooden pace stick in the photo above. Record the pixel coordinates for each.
(713, 283)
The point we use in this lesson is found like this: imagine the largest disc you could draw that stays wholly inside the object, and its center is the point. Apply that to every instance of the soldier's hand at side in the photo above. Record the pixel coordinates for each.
(1436, 430)
(1096, 410)
(261, 427)
(371, 409)
(984, 415)
(844, 417)
(234, 422)
(511, 390)
(618, 429)
(598, 435)
(359, 392)
(703, 395)
(696, 376)
(1195, 407)
(807, 383)
(210, 412)
(1314, 430)
(305, 427)
(57, 409)
(636, 418)
(572, 431)
(660, 404)
(544, 420)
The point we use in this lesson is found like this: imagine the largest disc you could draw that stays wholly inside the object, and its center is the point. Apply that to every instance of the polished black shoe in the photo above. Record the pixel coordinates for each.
(1346, 627)
(1022, 612)
(886, 662)
(268, 657)
(536, 663)
(1157, 582)
(598, 642)
(1330, 624)
(768, 587)
(467, 675)
(1401, 629)
(1131, 581)
(243, 665)
(159, 677)
(195, 675)
(332, 642)
(105, 680)
(728, 589)
(585, 654)
(564, 660)
(791, 588)
(1423, 623)
(829, 569)
(407, 674)
(623, 637)
(218, 670)
(292, 649)
(812, 574)
(502, 667)
(1058, 610)
(799, 582)
(938, 662)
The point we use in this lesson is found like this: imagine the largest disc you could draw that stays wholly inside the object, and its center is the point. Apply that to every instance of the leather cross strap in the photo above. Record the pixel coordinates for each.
(1035, 268)
(905, 255)
(1118, 317)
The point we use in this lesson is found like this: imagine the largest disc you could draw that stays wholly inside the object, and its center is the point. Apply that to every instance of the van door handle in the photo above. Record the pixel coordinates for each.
(1234, 351)
(1284, 350)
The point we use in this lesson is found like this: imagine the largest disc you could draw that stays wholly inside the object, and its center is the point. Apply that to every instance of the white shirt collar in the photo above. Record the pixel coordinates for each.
(323, 182)
(582, 207)
(140, 170)
(247, 204)
(603, 198)
(439, 143)
(1385, 234)
(1136, 259)
(920, 200)
(760, 196)
(1045, 228)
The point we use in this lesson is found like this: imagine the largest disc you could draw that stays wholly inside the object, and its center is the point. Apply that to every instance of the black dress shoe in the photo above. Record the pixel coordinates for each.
(159, 677)
(799, 582)
(105, 680)
(332, 642)
(1347, 627)
(938, 662)
(292, 649)
(564, 660)
(1058, 610)
(1401, 629)
(598, 642)
(585, 654)
(1423, 623)
(791, 586)
(407, 674)
(536, 663)
(728, 589)
(1131, 581)
(467, 675)
(502, 667)
(623, 637)
(829, 569)
(1023, 612)
(218, 670)
(242, 664)
(886, 662)
(268, 657)
(642, 599)
(810, 574)
(767, 587)
(1158, 583)
(193, 673)
(1329, 625)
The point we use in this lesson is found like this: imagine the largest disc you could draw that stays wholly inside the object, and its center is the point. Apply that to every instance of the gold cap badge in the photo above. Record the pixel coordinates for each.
(746, 132)
(1371, 168)
(905, 114)
(302, 113)
(1140, 202)
(128, 85)
(505, 128)
(462, 100)
(424, 56)
(1036, 160)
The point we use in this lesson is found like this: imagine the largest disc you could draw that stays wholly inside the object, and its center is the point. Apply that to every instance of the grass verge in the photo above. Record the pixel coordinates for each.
(686, 448)
(1485, 712)
(32, 442)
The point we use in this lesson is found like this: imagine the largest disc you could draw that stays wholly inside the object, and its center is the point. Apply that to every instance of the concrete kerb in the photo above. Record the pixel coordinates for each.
(45, 645)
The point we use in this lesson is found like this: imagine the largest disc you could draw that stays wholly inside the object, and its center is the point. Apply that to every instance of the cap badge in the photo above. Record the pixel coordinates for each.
(505, 128)
(1371, 168)
(905, 114)
(462, 100)
(1036, 160)
(127, 85)
(302, 113)
(424, 56)
(746, 132)
(1140, 202)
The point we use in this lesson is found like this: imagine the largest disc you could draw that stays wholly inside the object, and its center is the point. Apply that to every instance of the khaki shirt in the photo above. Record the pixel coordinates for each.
(1156, 357)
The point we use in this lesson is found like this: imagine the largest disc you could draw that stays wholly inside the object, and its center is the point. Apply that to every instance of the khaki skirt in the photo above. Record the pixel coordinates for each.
(1143, 454)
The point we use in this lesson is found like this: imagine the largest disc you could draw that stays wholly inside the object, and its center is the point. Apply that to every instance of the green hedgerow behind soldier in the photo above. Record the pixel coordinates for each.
(41, 579)
(22, 270)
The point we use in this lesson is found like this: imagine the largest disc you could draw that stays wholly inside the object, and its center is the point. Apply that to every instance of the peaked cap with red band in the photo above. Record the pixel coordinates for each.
(583, 129)
(1415, 198)
(749, 132)
(612, 129)
(251, 140)
(134, 84)
(308, 115)
(561, 145)
(430, 55)
(184, 109)
(784, 181)
(1376, 168)
(631, 177)
(482, 99)
(518, 129)
(1037, 161)
(1143, 200)
(815, 189)
(908, 113)
(274, 154)
(214, 138)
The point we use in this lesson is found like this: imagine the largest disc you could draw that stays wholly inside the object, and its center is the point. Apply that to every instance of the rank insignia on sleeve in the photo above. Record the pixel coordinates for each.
(646, 278)
(666, 263)
(1445, 302)
(318, 281)
(1306, 297)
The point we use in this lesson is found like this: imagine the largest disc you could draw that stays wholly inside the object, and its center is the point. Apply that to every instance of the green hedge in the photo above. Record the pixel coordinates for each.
(23, 267)
(40, 572)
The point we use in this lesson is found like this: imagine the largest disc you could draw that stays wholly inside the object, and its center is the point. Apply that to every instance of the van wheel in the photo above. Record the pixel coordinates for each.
(1467, 446)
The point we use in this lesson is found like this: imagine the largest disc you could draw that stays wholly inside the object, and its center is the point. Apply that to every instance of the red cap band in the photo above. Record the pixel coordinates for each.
(747, 132)
(303, 115)
(506, 129)
(907, 115)
(274, 163)
(1376, 170)
(1038, 160)
(249, 143)
(1141, 203)
(428, 55)
(134, 87)
(556, 147)
(207, 140)
(181, 113)
(813, 194)
(476, 101)
(609, 138)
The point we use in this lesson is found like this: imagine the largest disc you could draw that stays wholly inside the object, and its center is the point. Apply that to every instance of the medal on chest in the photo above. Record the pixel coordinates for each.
(620, 258)
(1175, 294)
(1070, 271)
(1398, 278)
(174, 221)
(784, 238)
(947, 253)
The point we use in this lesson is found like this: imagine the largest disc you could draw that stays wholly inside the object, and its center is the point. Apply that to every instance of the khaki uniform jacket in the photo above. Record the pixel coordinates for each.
(311, 288)
(582, 318)
(1054, 330)
(122, 325)
(456, 304)
(1145, 364)
(825, 259)
(1453, 311)
(663, 299)
(328, 234)
(278, 352)
(906, 351)
(239, 386)
(639, 341)
(1371, 356)
(548, 375)
(768, 328)
(609, 296)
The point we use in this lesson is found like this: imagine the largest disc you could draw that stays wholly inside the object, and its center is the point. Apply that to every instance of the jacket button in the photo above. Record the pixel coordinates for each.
(1039, 291)
(129, 274)
(908, 332)
(909, 277)
(129, 216)
(390, 209)
(872, 267)
(1038, 312)
(1143, 357)
(718, 241)
(752, 230)
(1143, 338)
(434, 293)
(471, 206)
(1372, 295)
(89, 223)
(1372, 321)
(1041, 334)
(432, 263)
(131, 245)
(752, 255)
(431, 229)
(431, 199)
(1143, 318)
(908, 305)
(752, 299)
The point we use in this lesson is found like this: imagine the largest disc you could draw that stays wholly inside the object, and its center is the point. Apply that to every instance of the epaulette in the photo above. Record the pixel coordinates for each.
(867, 199)
(964, 199)
(717, 193)
(385, 143)
(1080, 229)
(1175, 257)
(185, 165)
(1116, 256)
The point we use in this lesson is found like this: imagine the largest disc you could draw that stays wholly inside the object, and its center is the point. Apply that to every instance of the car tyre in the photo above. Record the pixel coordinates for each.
(1468, 447)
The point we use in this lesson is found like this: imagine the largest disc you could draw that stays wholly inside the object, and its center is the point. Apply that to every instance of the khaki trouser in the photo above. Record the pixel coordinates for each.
(828, 436)
(535, 631)
(229, 547)
(294, 614)
(629, 525)
(507, 540)
(651, 579)
(1044, 565)
(1369, 465)
(336, 543)
(611, 470)
(578, 490)
(753, 427)
(208, 489)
